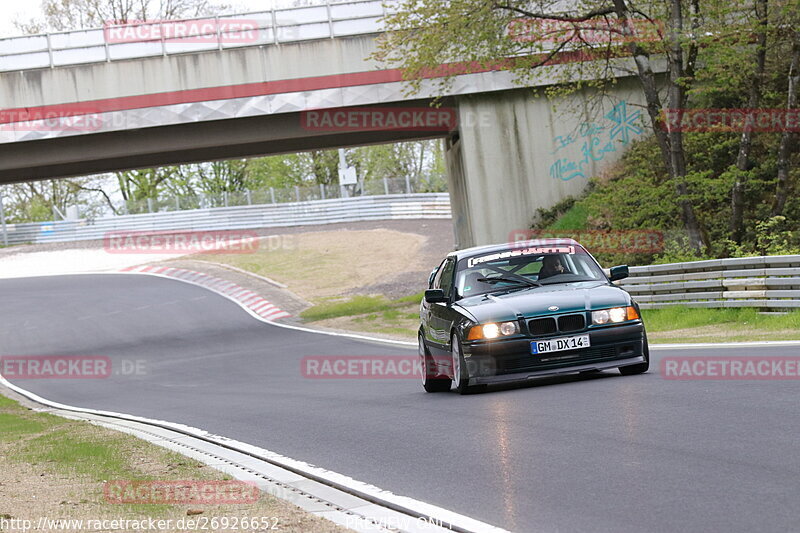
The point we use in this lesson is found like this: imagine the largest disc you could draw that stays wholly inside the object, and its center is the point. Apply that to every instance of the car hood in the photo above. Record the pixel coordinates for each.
(568, 297)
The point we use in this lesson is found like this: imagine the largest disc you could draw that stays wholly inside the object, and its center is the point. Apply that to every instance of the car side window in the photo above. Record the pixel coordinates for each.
(446, 280)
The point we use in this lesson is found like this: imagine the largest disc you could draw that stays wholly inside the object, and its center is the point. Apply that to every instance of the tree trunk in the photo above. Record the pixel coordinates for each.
(787, 137)
(677, 100)
(648, 82)
(671, 141)
(746, 141)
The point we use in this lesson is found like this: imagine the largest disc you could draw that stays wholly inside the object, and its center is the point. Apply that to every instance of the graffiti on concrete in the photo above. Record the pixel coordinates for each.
(620, 125)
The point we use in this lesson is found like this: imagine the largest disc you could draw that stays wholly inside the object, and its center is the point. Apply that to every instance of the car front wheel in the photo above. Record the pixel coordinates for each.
(432, 381)
(459, 366)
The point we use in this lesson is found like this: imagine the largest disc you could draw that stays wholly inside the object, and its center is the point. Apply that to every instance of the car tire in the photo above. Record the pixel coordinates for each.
(431, 381)
(642, 367)
(460, 374)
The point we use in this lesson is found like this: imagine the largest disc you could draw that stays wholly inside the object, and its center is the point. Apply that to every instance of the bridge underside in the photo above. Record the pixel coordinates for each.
(95, 153)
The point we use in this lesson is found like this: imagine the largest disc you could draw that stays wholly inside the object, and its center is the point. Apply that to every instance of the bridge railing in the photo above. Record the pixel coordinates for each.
(391, 207)
(162, 38)
(770, 282)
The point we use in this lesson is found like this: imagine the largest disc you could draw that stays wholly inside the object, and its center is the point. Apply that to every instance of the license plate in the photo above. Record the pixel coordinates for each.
(560, 344)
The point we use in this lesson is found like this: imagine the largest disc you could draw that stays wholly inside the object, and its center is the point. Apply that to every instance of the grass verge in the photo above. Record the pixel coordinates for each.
(360, 305)
(326, 264)
(685, 324)
(53, 468)
(369, 314)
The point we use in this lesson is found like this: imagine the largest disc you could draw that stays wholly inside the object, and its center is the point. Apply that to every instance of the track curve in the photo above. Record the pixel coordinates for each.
(603, 453)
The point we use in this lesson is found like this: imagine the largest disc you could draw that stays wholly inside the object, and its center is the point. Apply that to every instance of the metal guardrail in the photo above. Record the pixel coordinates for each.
(391, 207)
(767, 282)
(325, 21)
(272, 195)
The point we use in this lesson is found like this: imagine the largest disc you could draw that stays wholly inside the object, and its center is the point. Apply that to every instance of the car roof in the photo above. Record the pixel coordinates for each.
(492, 248)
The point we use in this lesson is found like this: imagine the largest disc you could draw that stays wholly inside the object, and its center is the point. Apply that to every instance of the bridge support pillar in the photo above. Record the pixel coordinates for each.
(514, 153)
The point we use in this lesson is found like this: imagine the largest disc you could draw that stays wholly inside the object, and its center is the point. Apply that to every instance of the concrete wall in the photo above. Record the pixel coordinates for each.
(517, 153)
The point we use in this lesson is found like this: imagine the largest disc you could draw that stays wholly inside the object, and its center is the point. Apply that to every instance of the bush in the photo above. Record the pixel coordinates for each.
(636, 194)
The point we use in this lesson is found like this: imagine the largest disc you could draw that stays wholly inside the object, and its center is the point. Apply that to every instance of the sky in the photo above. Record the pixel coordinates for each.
(27, 9)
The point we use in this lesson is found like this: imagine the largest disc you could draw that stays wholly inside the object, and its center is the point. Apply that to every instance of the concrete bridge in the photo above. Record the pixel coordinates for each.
(290, 80)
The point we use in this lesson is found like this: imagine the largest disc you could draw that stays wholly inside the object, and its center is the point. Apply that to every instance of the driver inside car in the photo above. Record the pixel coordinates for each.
(552, 265)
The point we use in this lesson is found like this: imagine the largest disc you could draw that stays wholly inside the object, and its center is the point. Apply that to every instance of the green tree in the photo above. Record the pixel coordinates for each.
(278, 171)
(40, 201)
(63, 15)
(471, 35)
(788, 138)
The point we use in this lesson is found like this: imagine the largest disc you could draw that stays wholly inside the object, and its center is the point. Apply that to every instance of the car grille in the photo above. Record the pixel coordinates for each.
(571, 322)
(542, 326)
(548, 325)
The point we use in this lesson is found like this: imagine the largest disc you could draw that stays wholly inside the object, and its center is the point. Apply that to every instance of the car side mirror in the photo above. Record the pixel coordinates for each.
(619, 272)
(433, 296)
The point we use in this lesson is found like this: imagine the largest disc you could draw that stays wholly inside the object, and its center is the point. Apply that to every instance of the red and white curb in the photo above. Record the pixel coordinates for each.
(244, 297)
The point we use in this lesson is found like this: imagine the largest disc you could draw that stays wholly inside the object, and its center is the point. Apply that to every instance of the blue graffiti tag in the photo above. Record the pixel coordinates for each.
(564, 169)
(625, 122)
(562, 142)
(600, 140)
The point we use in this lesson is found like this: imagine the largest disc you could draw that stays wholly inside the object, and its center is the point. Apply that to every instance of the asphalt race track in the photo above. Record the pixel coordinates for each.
(598, 453)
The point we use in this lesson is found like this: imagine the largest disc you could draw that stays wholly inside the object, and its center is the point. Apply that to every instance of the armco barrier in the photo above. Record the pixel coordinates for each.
(385, 207)
(771, 282)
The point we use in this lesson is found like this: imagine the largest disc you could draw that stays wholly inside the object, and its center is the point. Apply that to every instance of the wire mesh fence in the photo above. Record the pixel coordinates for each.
(274, 195)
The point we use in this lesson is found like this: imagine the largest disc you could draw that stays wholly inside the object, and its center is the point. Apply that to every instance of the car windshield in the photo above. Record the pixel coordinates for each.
(523, 268)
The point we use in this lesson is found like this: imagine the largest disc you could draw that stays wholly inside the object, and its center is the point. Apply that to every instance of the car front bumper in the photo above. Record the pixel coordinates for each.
(507, 360)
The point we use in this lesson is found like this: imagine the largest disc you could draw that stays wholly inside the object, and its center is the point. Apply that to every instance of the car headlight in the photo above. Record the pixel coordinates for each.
(492, 331)
(508, 328)
(614, 315)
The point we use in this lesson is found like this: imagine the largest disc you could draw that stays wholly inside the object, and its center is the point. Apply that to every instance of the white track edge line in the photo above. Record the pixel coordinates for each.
(742, 344)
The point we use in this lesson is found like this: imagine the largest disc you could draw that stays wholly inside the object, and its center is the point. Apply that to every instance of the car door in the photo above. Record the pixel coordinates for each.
(425, 307)
(442, 314)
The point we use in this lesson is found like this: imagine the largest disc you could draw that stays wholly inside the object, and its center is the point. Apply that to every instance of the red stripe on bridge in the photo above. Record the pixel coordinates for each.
(225, 92)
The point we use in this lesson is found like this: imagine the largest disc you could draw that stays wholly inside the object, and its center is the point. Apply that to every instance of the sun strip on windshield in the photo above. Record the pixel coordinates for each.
(472, 261)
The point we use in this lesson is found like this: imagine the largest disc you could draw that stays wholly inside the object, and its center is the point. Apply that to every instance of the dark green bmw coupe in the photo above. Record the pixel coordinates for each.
(495, 314)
